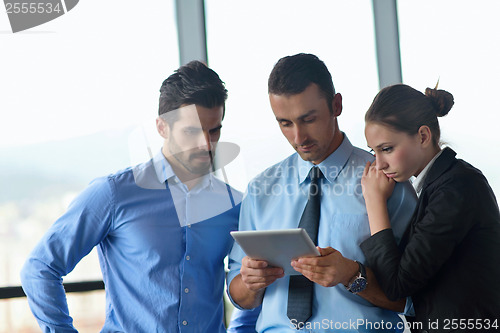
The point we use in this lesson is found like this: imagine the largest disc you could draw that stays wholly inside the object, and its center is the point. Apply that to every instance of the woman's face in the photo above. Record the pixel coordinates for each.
(397, 154)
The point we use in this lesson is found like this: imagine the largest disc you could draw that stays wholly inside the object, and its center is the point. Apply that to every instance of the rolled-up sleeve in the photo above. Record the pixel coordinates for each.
(236, 255)
(83, 226)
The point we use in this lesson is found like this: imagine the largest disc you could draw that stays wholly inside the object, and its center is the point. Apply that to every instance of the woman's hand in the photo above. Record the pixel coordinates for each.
(377, 188)
(375, 184)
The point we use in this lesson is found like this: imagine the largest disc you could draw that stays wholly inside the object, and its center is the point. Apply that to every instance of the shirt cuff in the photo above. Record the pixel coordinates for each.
(231, 275)
(409, 309)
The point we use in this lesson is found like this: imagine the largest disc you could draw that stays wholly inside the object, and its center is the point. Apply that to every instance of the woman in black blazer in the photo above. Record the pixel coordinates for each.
(449, 261)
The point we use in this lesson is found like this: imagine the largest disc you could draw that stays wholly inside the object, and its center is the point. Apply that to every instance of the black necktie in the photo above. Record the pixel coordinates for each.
(300, 290)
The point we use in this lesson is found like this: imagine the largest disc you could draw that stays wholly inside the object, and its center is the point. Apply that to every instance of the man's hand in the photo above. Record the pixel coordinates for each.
(333, 268)
(257, 275)
(328, 270)
(247, 288)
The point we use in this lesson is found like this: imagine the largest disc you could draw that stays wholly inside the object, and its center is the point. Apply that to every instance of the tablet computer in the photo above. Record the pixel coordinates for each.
(277, 247)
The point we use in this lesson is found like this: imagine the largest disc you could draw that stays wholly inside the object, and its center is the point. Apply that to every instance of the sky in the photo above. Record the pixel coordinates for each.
(99, 68)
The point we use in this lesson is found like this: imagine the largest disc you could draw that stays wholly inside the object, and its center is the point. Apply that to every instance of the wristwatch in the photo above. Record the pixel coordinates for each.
(359, 283)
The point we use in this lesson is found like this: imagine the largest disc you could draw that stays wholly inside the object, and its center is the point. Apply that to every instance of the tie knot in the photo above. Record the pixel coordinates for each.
(315, 174)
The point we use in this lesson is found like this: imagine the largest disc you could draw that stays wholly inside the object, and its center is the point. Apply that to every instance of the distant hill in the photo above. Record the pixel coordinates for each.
(54, 168)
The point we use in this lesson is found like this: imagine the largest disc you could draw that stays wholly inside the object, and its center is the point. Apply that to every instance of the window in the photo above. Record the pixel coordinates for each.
(73, 92)
(244, 43)
(457, 43)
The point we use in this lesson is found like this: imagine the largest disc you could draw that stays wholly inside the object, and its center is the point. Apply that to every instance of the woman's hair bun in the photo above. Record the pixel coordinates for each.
(441, 99)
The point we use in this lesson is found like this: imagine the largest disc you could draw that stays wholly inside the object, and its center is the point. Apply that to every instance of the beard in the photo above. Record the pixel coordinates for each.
(195, 160)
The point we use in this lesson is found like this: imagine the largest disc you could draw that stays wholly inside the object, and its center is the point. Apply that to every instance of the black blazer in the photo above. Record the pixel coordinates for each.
(449, 261)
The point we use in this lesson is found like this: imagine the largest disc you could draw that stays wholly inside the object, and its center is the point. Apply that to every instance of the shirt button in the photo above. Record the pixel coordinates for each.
(188, 258)
(186, 290)
(189, 225)
(184, 323)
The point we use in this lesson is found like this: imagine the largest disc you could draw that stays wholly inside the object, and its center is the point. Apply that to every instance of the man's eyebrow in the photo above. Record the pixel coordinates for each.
(215, 128)
(190, 128)
(307, 114)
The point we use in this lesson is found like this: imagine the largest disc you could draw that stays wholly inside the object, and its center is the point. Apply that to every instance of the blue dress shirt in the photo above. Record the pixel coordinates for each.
(243, 321)
(161, 250)
(276, 199)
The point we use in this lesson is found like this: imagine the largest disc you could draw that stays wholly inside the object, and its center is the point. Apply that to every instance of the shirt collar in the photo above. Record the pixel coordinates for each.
(164, 172)
(330, 166)
(418, 182)
(163, 169)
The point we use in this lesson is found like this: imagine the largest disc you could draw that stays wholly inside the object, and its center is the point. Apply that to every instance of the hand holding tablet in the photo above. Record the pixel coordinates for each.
(277, 247)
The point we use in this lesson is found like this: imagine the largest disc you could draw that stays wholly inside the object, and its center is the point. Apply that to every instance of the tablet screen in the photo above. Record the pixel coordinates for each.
(277, 247)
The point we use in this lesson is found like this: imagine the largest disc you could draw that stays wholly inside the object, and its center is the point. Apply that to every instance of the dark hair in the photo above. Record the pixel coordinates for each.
(406, 109)
(193, 83)
(293, 74)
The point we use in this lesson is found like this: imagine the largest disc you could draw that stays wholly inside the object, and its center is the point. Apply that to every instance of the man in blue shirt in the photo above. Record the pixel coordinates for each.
(306, 107)
(161, 228)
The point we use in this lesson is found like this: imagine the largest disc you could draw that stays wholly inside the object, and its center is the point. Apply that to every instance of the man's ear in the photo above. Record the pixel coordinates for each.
(162, 127)
(337, 105)
(425, 136)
